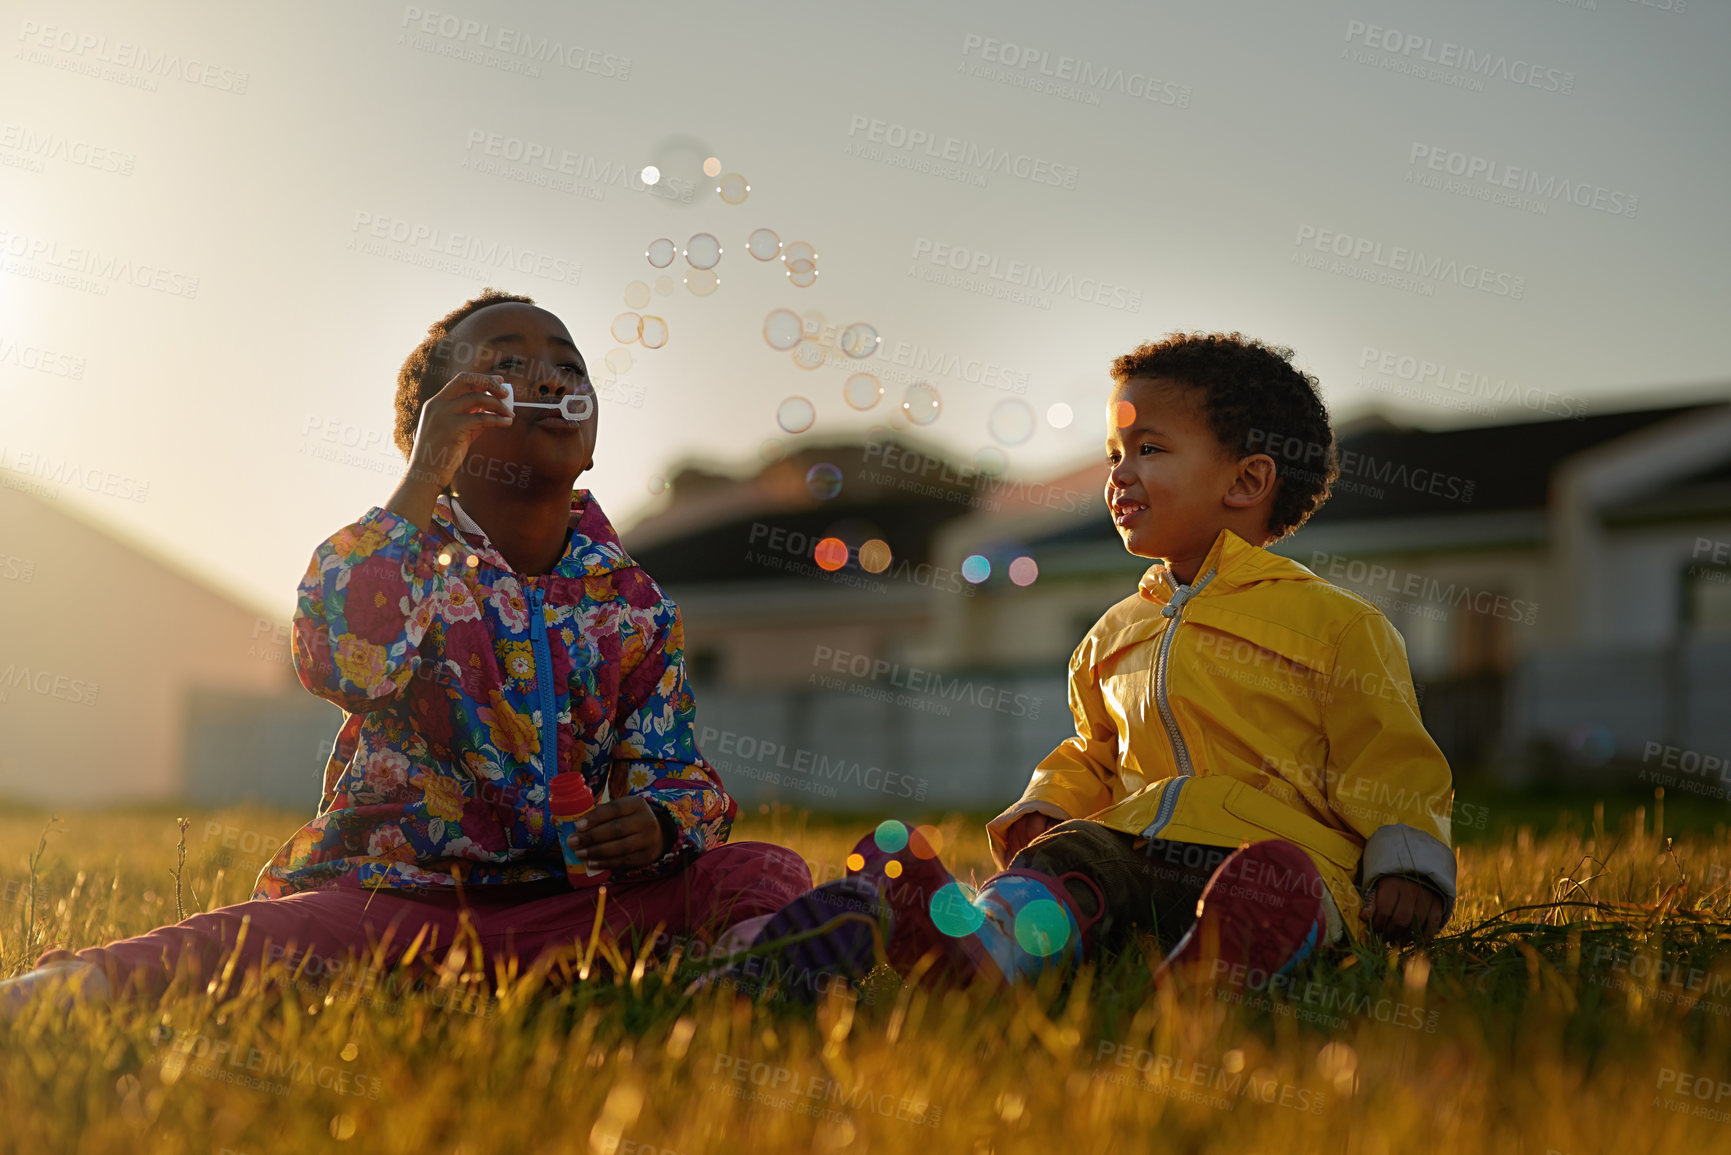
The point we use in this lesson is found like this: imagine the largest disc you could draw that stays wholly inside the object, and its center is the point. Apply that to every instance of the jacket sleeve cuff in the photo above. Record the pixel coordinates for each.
(997, 827)
(1411, 853)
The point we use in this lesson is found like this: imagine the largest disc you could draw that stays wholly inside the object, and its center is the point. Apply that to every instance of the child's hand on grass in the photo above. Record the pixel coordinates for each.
(1024, 830)
(620, 835)
(1403, 909)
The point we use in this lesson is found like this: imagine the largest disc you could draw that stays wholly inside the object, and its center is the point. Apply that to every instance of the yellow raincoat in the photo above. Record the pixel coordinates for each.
(1258, 702)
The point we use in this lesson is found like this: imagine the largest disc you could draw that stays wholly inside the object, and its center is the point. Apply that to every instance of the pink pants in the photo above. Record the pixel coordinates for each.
(321, 931)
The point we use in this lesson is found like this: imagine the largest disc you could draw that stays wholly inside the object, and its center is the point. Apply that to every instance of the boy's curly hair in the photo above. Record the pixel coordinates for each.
(1255, 401)
(428, 368)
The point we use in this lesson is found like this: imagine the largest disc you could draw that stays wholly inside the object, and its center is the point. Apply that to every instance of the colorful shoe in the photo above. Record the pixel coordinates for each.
(826, 935)
(1261, 914)
(1020, 923)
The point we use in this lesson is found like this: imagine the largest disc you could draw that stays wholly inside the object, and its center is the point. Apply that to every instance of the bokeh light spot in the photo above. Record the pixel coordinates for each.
(976, 569)
(712, 166)
(893, 869)
(636, 294)
(953, 911)
(1042, 927)
(927, 842)
(890, 836)
(830, 554)
(650, 174)
(1060, 415)
(1024, 570)
(1123, 414)
(875, 556)
(856, 861)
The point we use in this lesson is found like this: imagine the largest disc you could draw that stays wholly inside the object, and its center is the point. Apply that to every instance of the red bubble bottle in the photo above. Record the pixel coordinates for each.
(571, 799)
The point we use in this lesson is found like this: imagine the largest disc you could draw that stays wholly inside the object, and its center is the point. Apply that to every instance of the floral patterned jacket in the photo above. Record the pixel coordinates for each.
(467, 686)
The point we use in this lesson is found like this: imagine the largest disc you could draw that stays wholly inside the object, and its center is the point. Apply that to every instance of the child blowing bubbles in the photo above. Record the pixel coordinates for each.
(484, 630)
(1249, 778)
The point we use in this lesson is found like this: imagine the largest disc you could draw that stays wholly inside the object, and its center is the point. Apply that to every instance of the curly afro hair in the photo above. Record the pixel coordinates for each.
(1255, 401)
(428, 368)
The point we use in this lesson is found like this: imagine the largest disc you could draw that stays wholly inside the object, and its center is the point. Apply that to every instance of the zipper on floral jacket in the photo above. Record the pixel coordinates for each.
(544, 683)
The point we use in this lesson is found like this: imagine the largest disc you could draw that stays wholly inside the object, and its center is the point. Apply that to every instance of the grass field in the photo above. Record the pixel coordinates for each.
(1580, 1001)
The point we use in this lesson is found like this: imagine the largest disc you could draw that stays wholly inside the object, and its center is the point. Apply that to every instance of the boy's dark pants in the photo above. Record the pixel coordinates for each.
(1150, 884)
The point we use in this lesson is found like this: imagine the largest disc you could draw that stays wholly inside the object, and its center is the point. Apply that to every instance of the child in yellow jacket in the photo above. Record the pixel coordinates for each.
(1249, 777)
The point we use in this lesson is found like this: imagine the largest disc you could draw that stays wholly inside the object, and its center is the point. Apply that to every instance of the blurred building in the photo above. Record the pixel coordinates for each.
(871, 626)
(125, 678)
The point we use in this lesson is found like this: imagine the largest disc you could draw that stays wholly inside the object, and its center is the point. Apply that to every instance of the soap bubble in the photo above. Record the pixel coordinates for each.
(801, 265)
(859, 340)
(657, 484)
(1011, 422)
(802, 280)
(862, 391)
(637, 294)
(764, 245)
(1060, 415)
(618, 360)
(654, 332)
(921, 403)
(991, 461)
(661, 252)
(733, 189)
(627, 327)
(703, 251)
(795, 414)
(823, 480)
(798, 251)
(783, 329)
(702, 282)
(664, 285)
(808, 355)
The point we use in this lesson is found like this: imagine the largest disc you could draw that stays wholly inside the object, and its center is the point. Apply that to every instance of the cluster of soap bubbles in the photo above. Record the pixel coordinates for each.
(1011, 422)
(798, 258)
(634, 328)
(702, 253)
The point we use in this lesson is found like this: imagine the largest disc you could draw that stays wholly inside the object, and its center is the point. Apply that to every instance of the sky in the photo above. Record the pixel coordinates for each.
(222, 228)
